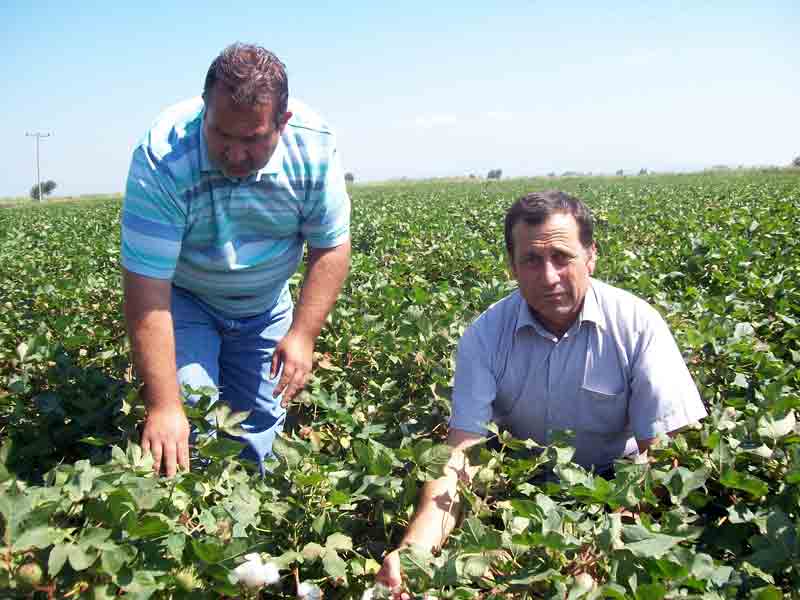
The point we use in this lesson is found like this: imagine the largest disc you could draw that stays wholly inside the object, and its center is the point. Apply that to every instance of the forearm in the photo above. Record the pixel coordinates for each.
(149, 324)
(327, 269)
(436, 514)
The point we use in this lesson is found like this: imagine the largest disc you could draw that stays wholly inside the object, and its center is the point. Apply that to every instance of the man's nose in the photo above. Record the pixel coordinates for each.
(235, 153)
(550, 273)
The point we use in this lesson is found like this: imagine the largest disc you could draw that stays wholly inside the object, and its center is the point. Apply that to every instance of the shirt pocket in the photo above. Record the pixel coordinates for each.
(603, 408)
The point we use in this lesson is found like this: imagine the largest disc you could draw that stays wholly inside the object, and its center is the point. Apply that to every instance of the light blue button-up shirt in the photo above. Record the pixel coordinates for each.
(614, 377)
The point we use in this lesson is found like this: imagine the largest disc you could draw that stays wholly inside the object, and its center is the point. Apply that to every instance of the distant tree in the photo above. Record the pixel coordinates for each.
(552, 174)
(620, 172)
(495, 174)
(472, 175)
(796, 162)
(47, 189)
(642, 171)
(349, 178)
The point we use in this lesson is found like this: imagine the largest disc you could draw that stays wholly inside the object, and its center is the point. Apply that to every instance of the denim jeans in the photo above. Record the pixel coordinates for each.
(234, 356)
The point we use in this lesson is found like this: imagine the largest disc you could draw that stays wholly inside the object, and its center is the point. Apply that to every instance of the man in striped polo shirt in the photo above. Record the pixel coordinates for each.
(222, 194)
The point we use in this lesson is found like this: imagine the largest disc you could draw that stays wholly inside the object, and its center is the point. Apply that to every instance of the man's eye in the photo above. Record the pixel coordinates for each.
(561, 259)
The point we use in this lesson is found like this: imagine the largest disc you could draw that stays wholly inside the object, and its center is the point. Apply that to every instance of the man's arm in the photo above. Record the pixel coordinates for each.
(437, 509)
(149, 322)
(327, 269)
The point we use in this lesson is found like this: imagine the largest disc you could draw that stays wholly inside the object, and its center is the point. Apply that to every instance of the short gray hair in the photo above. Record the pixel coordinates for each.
(253, 75)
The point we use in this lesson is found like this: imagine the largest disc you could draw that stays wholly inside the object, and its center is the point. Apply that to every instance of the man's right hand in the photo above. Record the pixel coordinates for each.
(166, 436)
(391, 575)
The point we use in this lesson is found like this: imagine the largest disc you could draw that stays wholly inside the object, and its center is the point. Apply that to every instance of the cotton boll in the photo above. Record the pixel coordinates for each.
(250, 574)
(254, 574)
(271, 574)
(309, 591)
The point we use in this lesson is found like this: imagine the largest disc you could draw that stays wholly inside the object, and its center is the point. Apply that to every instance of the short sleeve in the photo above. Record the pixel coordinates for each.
(153, 219)
(663, 395)
(475, 386)
(328, 223)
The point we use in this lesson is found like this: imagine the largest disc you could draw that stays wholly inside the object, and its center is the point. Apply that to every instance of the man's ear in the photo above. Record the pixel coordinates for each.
(510, 266)
(284, 120)
(591, 261)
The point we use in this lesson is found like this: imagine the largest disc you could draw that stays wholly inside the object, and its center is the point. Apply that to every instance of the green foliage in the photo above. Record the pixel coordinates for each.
(47, 188)
(715, 513)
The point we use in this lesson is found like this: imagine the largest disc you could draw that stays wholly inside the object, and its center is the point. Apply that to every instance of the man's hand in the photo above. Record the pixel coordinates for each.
(295, 352)
(391, 575)
(166, 436)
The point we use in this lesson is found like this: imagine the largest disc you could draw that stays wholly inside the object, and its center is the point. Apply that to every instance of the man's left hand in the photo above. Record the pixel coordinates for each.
(295, 354)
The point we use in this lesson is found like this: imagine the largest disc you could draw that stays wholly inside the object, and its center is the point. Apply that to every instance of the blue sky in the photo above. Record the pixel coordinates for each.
(417, 89)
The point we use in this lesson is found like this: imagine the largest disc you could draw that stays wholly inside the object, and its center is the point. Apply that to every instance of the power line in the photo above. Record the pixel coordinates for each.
(38, 136)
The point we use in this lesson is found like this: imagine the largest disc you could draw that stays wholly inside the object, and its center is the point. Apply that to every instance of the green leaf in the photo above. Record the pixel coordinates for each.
(115, 558)
(651, 591)
(312, 551)
(79, 558)
(228, 421)
(150, 526)
(57, 558)
(647, 544)
(208, 551)
(338, 541)
(773, 428)
(220, 447)
(333, 564)
(38, 537)
(287, 451)
(740, 381)
(769, 592)
(176, 542)
(747, 483)
(476, 566)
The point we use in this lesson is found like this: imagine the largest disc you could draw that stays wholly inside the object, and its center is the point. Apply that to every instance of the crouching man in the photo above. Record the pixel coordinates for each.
(564, 351)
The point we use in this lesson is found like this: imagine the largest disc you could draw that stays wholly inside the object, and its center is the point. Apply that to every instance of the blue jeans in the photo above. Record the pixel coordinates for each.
(234, 356)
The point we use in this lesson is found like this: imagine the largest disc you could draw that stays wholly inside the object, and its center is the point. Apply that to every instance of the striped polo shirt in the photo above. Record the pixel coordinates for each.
(234, 243)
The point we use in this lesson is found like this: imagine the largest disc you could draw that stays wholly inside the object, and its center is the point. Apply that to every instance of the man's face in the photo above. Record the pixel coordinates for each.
(552, 268)
(240, 140)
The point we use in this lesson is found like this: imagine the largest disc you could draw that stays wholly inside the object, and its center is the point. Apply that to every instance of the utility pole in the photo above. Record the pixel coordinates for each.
(38, 136)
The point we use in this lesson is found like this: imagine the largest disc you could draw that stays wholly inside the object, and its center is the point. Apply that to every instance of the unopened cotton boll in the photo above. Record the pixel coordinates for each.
(254, 574)
(309, 591)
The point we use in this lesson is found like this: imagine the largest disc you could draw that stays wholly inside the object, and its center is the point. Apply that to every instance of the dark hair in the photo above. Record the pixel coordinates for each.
(536, 208)
(252, 74)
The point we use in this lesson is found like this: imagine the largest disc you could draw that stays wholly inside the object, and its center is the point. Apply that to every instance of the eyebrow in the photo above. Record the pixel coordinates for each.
(254, 137)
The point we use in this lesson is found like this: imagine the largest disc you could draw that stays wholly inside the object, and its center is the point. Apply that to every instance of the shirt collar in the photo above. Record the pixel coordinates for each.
(272, 167)
(589, 312)
(205, 164)
(275, 163)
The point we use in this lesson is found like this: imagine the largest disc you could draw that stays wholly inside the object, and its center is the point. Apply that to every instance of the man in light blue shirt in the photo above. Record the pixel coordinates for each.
(223, 194)
(563, 352)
